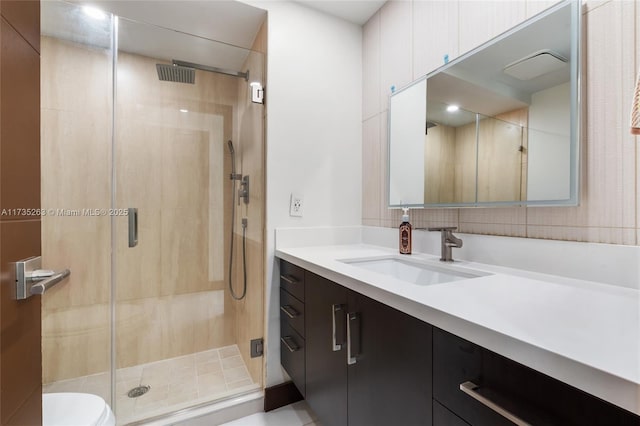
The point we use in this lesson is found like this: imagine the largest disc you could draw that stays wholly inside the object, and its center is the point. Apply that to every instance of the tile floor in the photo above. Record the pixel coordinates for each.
(298, 414)
(175, 383)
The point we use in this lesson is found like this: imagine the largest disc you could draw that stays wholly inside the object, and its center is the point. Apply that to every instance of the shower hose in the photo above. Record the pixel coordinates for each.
(244, 248)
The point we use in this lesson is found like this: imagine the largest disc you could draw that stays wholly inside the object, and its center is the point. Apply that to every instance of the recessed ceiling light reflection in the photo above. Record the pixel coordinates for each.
(94, 12)
(453, 108)
(184, 110)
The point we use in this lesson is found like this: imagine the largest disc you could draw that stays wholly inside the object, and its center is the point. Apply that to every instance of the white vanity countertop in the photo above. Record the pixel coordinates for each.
(583, 333)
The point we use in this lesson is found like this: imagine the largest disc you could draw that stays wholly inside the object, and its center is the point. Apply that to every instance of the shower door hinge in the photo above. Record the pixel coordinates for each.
(257, 93)
(257, 347)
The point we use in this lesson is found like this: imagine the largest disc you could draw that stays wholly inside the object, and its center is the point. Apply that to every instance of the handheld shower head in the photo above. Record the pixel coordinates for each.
(230, 144)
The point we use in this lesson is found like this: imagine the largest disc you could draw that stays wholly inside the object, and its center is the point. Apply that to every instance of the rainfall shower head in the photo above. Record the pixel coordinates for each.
(176, 73)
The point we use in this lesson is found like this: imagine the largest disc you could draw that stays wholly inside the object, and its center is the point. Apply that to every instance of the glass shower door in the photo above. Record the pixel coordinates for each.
(176, 328)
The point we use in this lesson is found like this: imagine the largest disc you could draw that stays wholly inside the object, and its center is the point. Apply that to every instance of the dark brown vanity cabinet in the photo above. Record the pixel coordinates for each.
(367, 364)
(483, 388)
(361, 363)
(292, 331)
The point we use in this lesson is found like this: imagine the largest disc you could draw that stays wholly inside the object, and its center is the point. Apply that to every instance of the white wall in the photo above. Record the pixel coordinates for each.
(314, 133)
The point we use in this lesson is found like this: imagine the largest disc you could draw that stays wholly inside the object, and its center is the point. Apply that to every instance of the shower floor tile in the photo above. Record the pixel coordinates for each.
(175, 383)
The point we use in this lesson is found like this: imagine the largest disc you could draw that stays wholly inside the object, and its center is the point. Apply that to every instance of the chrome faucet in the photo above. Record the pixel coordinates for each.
(449, 241)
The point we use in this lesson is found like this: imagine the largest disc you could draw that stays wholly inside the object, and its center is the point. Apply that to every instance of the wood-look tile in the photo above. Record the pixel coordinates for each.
(608, 185)
(372, 171)
(371, 67)
(425, 218)
(503, 215)
(481, 21)
(395, 48)
(584, 234)
(433, 35)
(504, 229)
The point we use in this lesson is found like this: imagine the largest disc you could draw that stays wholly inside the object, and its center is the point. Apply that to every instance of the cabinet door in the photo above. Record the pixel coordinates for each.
(390, 381)
(326, 359)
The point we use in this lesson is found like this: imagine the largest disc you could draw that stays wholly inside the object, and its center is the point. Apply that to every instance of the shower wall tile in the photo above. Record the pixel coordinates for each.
(432, 35)
(609, 209)
(184, 248)
(169, 288)
(250, 310)
(152, 329)
(80, 244)
(75, 341)
(395, 48)
(371, 65)
(66, 67)
(139, 268)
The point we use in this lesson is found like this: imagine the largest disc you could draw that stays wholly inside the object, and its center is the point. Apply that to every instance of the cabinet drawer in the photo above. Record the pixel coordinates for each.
(443, 417)
(292, 311)
(292, 355)
(490, 379)
(292, 279)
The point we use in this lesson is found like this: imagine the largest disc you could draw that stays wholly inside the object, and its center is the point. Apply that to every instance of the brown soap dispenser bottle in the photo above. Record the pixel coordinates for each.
(405, 232)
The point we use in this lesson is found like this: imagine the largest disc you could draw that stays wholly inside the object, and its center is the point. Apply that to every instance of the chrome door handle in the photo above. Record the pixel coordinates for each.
(291, 346)
(470, 389)
(30, 279)
(133, 226)
(291, 313)
(336, 312)
(353, 337)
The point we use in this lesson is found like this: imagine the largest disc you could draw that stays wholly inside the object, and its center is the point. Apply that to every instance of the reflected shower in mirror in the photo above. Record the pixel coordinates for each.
(501, 122)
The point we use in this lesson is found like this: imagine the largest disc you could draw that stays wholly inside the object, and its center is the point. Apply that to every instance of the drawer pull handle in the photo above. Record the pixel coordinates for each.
(470, 389)
(291, 313)
(353, 337)
(289, 279)
(289, 343)
(336, 315)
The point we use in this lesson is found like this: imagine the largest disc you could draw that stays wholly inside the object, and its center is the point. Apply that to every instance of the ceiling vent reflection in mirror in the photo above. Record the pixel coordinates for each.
(536, 64)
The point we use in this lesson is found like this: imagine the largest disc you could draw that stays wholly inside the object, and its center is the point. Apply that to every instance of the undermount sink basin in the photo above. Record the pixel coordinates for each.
(413, 271)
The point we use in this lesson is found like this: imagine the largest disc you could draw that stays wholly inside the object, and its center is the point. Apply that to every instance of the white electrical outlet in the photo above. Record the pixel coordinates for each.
(295, 207)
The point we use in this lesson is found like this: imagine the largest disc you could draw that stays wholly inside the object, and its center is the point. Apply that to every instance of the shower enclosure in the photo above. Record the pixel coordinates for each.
(136, 174)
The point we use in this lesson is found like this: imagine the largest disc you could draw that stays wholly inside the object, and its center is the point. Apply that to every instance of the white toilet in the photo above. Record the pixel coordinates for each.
(75, 409)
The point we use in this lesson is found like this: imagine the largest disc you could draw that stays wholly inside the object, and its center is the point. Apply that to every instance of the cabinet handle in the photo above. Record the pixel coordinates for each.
(288, 342)
(291, 313)
(336, 313)
(470, 389)
(353, 337)
(289, 279)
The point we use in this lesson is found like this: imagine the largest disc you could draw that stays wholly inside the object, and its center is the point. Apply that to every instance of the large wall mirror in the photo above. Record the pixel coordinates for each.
(497, 126)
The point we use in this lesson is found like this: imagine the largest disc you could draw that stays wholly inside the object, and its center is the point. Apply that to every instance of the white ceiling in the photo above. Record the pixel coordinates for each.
(222, 20)
(164, 29)
(356, 11)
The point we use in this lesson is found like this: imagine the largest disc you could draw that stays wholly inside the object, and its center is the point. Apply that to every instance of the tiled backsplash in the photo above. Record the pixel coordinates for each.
(407, 39)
